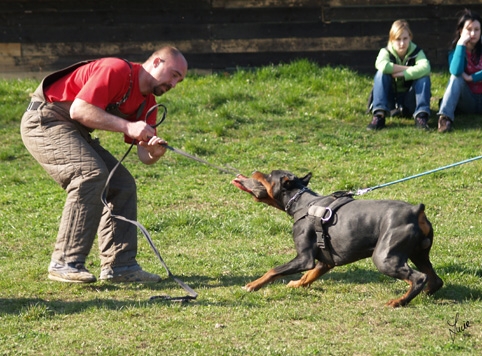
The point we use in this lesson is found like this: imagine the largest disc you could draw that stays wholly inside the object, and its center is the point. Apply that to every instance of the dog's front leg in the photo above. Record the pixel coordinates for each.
(299, 264)
(268, 277)
(304, 238)
(310, 276)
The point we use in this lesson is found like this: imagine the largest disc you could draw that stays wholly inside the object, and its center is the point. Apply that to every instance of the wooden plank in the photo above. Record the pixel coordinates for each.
(137, 17)
(347, 3)
(371, 14)
(238, 4)
(267, 45)
(8, 53)
(62, 6)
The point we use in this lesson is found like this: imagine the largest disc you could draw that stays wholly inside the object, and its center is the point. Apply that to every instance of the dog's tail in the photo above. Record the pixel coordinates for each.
(425, 227)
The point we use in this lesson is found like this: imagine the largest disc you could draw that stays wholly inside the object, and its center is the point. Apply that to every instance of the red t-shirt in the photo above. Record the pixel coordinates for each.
(103, 82)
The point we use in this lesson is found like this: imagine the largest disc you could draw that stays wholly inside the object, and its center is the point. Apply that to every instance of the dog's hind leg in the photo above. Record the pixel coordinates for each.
(415, 279)
(420, 256)
(310, 276)
(397, 267)
(422, 262)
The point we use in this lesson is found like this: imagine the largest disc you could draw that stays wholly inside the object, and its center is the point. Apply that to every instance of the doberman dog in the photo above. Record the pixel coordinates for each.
(337, 230)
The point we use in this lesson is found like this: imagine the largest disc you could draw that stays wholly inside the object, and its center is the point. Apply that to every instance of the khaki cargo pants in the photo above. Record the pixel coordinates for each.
(81, 166)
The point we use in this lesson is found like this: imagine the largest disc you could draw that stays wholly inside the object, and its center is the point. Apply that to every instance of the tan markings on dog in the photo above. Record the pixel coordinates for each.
(268, 277)
(400, 302)
(260, 178)
(269, 190)
(423, 223)
(310, 276)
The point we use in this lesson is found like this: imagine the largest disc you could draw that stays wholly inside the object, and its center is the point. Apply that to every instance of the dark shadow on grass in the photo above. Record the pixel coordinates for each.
(450, 292)
(467, 122)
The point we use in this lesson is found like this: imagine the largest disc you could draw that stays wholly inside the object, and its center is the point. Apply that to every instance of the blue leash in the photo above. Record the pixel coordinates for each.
(366, 190)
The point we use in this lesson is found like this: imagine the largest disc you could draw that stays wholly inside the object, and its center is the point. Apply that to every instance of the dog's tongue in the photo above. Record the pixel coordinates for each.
(250, 185)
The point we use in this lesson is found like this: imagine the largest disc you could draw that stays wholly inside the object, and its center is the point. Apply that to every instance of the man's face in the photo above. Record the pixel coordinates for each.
(167, 73)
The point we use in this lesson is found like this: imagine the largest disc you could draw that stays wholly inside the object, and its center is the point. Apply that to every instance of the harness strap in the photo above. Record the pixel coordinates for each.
(322, 218)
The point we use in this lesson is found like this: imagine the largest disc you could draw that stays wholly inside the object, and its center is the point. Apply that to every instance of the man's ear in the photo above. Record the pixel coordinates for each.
(156, 62)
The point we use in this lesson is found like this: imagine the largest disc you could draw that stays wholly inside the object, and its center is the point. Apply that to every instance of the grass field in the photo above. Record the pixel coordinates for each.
(214, 237)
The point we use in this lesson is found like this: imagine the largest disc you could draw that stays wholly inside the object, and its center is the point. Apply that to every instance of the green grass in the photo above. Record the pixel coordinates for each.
(214, 237)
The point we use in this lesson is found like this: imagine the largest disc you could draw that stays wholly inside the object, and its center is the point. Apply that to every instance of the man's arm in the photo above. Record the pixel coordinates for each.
(96, 118)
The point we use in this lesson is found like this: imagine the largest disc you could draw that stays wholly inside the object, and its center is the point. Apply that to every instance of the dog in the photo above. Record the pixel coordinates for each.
(336, 230)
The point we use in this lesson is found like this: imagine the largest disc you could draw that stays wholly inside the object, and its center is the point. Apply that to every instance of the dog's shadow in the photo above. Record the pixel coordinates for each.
(450, 293)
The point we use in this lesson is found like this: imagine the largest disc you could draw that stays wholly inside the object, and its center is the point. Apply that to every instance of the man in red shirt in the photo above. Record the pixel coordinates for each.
(106, 94)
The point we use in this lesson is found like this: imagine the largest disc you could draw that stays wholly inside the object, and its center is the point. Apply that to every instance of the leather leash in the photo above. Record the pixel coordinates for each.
(366, 190)
(228, 170)
(225, 169)
(191, 292)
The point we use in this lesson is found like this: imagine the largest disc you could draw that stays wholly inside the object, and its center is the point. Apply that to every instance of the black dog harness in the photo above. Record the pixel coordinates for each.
(321, 212)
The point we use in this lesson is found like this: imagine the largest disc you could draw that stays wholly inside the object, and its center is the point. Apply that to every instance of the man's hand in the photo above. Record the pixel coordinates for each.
(149, 152)
(140, 131)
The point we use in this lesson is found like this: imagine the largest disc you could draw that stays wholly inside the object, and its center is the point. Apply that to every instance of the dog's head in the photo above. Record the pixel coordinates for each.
(275, 188)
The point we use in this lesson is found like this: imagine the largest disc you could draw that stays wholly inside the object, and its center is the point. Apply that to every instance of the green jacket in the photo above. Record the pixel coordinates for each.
(419, 66)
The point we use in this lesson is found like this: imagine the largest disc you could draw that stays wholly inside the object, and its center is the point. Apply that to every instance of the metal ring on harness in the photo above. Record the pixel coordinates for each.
(329, 216)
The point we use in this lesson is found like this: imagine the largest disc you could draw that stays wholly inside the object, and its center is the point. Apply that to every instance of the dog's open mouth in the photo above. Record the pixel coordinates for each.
(250, 185)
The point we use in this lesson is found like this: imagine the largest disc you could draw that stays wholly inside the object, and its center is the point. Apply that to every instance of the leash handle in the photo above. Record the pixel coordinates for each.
(151, 110)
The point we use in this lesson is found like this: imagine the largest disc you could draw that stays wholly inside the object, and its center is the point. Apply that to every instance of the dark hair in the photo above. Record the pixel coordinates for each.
(464, 16)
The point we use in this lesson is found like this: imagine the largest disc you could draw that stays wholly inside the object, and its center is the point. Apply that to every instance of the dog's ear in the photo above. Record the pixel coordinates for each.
(306, 179)
(288, 180)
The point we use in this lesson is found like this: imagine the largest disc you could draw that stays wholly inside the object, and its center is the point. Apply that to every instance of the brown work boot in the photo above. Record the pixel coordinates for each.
(128, 274)
(444, 124)
(74, 272)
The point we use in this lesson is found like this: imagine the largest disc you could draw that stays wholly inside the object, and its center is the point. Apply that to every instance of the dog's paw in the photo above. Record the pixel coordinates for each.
(247, 288)
(251, 287)
(294, 284)
(395, 303)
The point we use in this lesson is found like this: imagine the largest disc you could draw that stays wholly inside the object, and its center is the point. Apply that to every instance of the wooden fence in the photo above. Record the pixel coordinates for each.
(44, 35)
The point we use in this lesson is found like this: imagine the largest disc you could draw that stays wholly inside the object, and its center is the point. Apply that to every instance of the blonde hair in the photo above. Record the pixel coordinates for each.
(397, 28)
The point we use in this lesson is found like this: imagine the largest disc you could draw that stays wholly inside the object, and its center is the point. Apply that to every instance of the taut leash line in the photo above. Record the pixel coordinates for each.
(227, 170)
(366, 190)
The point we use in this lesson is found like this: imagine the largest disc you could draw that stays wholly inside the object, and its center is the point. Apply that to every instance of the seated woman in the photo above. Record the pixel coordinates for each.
(464, 90)
(402, 80)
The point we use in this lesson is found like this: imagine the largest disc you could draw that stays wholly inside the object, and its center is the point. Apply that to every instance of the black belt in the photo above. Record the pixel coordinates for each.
(34, 105)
